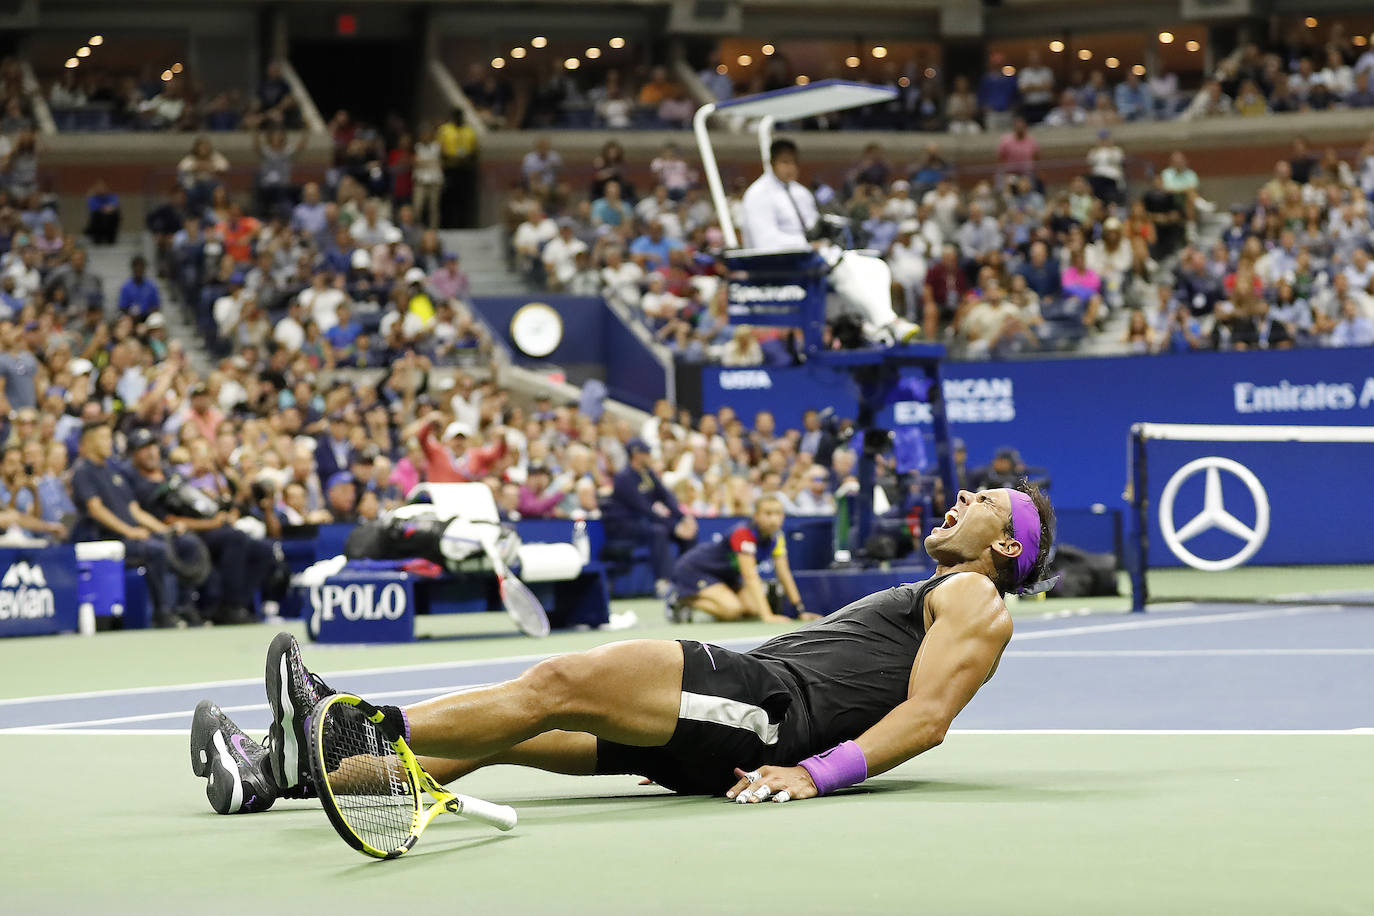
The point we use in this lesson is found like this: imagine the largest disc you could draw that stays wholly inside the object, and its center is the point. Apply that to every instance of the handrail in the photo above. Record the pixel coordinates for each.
(309, 113)
(41, 112)
(457, 98)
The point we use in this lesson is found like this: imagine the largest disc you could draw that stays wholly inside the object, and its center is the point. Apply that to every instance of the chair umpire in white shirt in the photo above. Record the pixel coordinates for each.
(778, 213)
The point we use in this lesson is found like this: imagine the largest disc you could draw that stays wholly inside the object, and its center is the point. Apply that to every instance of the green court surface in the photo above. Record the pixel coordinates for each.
(1190, 760)
(984, 824)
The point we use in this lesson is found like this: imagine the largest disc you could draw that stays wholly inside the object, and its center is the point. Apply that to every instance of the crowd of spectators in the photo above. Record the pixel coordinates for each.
(1001, 268)
(611, 98)
(1291, 269)
(89, 98)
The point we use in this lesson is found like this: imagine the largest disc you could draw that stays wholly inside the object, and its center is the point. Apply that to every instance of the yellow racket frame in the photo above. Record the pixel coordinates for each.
(502, 817)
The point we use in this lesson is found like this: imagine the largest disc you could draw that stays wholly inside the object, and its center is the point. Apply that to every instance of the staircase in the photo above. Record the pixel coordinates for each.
(111, 264)
(482, 256)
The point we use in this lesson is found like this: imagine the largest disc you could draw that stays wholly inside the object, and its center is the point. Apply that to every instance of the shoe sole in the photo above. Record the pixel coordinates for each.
(225, 786)
(203, 730)
(285, 753)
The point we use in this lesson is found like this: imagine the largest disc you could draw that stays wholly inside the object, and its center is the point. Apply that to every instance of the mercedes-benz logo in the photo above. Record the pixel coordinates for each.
(1214, 514)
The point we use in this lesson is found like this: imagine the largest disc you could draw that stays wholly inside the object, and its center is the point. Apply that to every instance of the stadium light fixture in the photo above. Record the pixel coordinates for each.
(1057, 46)
(768, 50)
(803, 80)
(166, 76)
(1138, 69)
(1194, 45)
(96, 41)
(1113, 63)
(592, 53)
(617, 43)
(72, 63)
(83, 52)
(177, 68)
(1359, 41)
(904, 82)
(572, 63)
(930, 73)
(851, 61)
(1008, 70)
(538, 41)
(517, 53)
(1084, 54)
(722, 69)
(744, 60)
(1310, 22)
(497, 63)
(879, 52)
(1166, 38)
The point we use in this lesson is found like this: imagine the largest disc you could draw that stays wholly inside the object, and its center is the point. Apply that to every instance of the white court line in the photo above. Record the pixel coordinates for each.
(1364, 732)
(151, 716)
(1169, 653)
(327, 675)
(1109, 732)
(1153, 623)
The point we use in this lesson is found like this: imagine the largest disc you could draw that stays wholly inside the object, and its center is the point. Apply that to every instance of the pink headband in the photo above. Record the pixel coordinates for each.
(1025, 527)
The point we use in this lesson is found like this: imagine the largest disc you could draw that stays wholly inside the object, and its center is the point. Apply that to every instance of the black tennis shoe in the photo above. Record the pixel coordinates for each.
(235, 766)
(292, 692)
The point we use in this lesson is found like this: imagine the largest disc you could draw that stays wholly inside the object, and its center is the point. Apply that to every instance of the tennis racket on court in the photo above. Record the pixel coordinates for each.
(371, 785)
(519, 601)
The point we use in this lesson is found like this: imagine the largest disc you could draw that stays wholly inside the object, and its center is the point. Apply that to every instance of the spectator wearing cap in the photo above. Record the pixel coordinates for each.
(341, 497)
(139, 296)
(108, 508)
(641, 509)
(448, 458)
(418, 301)
(241, 564)
(1004, 471)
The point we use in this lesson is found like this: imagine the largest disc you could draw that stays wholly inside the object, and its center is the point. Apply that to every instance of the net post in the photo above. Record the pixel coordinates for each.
(1138, 496)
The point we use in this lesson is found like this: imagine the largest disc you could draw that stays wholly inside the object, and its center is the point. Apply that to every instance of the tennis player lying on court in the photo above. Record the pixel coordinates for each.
(724, 578)
(807, 713)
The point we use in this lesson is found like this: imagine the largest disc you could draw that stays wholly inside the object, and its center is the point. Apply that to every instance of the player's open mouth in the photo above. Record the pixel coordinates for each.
(951, 519)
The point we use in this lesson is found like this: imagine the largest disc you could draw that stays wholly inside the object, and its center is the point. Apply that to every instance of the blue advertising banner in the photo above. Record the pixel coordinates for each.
(1218, 504)
(1072, 416)
(363, 606)
(37, 590)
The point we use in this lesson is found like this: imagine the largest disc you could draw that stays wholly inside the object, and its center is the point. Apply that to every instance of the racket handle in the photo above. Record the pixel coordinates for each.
(502, 817)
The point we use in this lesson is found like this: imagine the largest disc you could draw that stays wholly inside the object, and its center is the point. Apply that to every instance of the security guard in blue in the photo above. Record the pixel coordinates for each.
(641, 509)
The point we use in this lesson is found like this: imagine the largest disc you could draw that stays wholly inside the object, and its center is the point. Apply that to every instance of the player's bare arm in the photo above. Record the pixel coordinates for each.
(970, 629)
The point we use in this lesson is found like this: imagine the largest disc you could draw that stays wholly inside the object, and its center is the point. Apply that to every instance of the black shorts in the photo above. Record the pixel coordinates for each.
(737, 711)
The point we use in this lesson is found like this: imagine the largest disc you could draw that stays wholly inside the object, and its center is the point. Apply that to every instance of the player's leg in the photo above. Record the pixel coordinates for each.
(629, 692)
(720, 601)
(570, 753)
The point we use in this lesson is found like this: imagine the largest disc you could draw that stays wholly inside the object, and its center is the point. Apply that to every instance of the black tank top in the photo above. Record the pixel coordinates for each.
(853, 667)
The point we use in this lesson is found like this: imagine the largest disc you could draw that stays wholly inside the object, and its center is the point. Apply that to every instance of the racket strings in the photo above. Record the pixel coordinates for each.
(371, 788)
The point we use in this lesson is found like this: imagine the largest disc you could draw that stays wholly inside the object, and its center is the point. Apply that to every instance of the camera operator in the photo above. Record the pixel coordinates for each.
(781, 214)
(241, 564)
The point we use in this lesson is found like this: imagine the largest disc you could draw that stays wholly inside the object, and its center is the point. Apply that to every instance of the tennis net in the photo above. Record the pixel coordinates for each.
(1251, 514)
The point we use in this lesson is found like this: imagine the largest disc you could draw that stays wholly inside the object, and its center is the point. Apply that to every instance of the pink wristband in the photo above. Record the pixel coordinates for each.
(842, 766)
